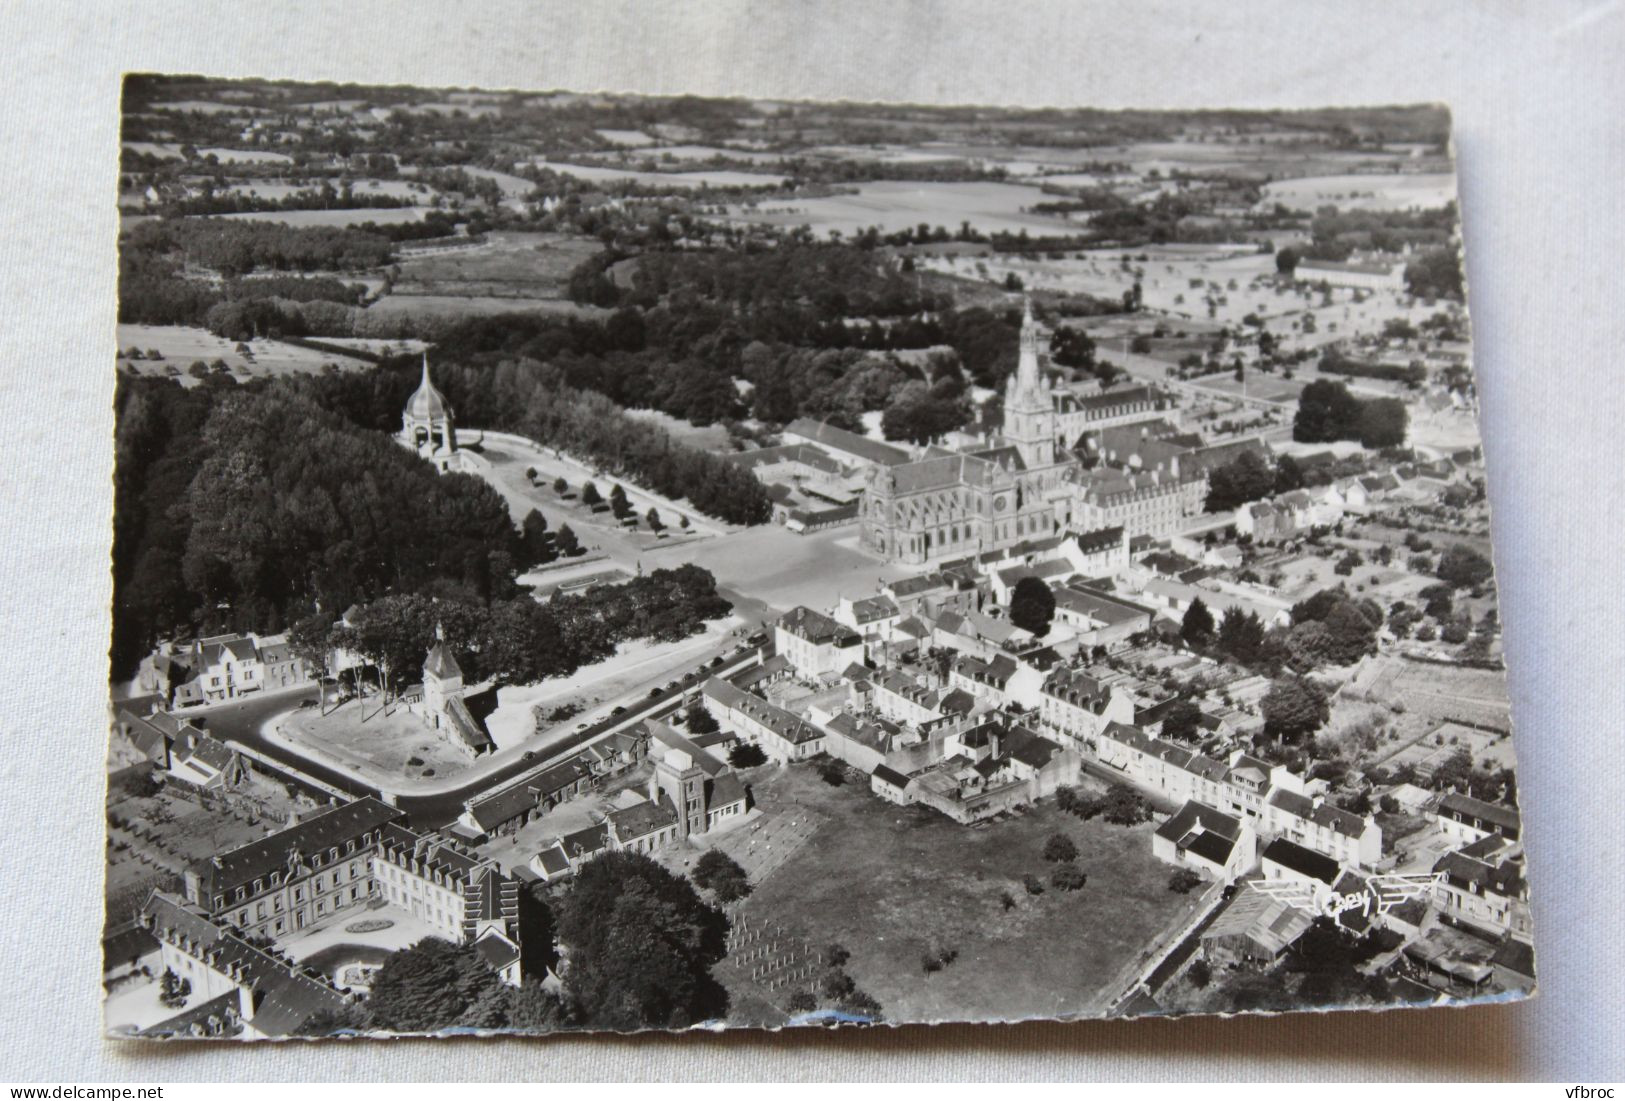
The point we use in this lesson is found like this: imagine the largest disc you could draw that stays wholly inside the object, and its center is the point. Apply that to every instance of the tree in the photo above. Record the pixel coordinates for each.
(1123, 806)
(1383, 422)
(560, 486)
(746, 755)
(1463, 567)
(720, 874)
(1068, 877)
(173, 990)
(1183, 881)
(1435, 274)
(534, 542)
(1286, 262)
(1245, 478)
(640, 946)
(1197, 626)
(566, 542)
(1326, 412)
(1060, 849)
(802, 1001)
(652, 518)
(618, 503)
(1293, 709)
(1182, 722)
(1032, 606)
(590, 495)
(430, 986)
(836, 955)
(1033, 885)
(1241, 636)
(699, 720)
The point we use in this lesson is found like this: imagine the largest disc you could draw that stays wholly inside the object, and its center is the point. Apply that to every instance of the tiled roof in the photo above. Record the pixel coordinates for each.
(1466, 808)
(642, 819)
(285, 998)
(1333, 818)
(841, 440)
(440, 663)
(1102, 539)
(1290, 854)
(787, 726)
(815, 627)
(890, 776)
(315, 835)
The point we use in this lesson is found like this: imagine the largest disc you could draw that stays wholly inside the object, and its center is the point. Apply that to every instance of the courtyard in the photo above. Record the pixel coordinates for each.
(381, 745)
(893, 883)
(783, 569)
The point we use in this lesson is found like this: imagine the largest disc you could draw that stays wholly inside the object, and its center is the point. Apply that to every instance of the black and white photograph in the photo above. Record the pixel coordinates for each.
(601, 562)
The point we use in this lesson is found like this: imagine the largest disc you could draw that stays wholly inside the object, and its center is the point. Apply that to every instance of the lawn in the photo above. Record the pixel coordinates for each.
(891, 883)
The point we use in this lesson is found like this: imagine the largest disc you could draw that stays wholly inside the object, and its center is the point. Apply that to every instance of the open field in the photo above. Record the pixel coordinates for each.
(167, 150)
(702, 178)
(523, 266)
(891, 883)
(181, 345)
(446, 305)
(896, 205)
(1434, 694)
(379, 215)
(1363, 192)
(245, 156)
(281, 189)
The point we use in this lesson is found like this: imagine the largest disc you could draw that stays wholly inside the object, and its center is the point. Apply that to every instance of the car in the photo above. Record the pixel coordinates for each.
(619, 711)
(530, 755)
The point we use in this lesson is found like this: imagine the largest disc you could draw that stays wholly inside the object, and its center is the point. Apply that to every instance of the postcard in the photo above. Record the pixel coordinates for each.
(602, 562)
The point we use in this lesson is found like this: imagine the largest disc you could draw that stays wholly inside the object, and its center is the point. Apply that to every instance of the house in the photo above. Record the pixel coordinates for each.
(1288, 861)
(779, 734)
(890, 785)
(1075, 706)
(1097, 617)
(1103, 552)
(1004, 581)
(903, 699)
(1206, 840)
(1312, 821)
(1483, 886)
(1354, 275)
(815, 645)
(1465, 819)
(860, 743)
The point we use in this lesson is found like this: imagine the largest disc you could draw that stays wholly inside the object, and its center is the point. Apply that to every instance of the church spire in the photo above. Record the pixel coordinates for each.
(1029, 380)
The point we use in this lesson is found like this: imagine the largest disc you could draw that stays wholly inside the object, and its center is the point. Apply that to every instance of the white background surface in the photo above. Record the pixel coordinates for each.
(1537, 97)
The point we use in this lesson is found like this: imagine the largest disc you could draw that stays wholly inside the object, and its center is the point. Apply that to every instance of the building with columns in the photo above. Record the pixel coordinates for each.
(429, 427)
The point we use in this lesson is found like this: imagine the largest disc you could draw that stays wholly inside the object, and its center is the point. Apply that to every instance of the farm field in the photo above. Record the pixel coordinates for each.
(441, 305)
(245, 156)
(895, 205)
(508, 266)
(181, 345)
(167, 150)
(891, 883)
(1389, 192)
(702, 178)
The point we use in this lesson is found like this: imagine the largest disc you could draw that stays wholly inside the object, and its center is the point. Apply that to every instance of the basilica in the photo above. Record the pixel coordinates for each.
(1026, 484)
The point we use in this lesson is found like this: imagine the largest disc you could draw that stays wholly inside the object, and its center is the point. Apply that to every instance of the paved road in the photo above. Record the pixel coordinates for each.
(241, 723)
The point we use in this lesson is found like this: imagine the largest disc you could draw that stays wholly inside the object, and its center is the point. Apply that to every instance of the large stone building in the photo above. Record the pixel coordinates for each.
(1024, 485)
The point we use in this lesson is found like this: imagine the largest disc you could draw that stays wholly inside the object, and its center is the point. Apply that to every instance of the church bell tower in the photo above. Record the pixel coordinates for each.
(1029, 406)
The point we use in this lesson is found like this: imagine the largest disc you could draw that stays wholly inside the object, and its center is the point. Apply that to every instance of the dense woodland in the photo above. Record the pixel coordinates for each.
(258, 507)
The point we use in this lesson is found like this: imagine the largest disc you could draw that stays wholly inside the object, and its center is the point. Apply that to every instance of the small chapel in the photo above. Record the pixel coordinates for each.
(429, 427)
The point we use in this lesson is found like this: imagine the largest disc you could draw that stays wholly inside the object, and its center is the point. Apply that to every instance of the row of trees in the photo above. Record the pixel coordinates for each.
(518, 640)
